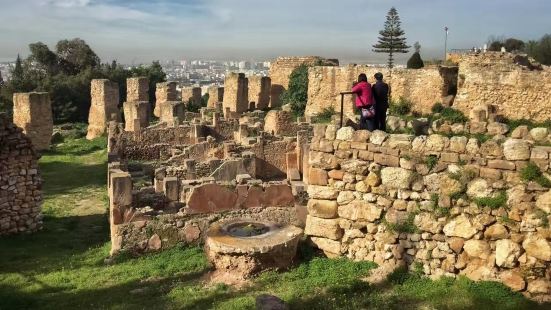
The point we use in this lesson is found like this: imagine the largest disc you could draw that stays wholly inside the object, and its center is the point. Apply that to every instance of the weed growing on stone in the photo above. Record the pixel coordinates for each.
(493, 202)
(431, 161)
(531, 172)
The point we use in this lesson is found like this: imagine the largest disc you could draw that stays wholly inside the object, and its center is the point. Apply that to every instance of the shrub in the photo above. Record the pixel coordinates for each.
(437, 108)
(400, 107)
(297, 93)
(407, 226)
(325, 115)
(452, 115)
(493, 202)
(531, 172)
(415, 61)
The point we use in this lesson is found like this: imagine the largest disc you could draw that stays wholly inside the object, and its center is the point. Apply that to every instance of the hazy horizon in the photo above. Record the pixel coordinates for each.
(141, 31)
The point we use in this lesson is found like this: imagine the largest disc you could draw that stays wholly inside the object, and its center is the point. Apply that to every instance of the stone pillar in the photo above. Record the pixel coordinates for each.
(33, 113)
(170, 111)
(136, 115)
(160, 174)
(171, 188)
(236, 92)
(216, 95)
(192, 94)
(259, 91)
(120, 197)
(302, 147)
(137, 89)
(104, 107)
(215, 119)
(164, 92)
(190, 168)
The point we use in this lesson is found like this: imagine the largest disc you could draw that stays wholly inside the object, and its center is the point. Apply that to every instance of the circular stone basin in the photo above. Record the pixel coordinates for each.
(245, 247)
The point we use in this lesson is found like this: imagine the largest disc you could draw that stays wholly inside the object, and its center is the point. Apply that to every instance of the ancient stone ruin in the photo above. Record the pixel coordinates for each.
(449, 198)
(104, 107)
(33, 113)
(137, 108)
(20, 182)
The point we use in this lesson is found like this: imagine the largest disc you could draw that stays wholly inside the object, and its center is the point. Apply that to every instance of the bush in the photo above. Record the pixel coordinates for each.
(297, 93)
(415, 61)
(325, 115)
(533, 173)
(400, 107)
(437, 108)
(453, 116)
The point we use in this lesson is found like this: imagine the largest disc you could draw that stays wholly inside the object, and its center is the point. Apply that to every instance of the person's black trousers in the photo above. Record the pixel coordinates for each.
(380, 118)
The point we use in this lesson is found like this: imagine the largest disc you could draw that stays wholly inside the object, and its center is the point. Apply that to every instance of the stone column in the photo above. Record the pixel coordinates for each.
(216, 95)
(164, 92)
(120, 197)
(259, 91)
(104, 107)
(33, 113)
(137, 89)
(192, 94)
(236, 92)
(170, 111)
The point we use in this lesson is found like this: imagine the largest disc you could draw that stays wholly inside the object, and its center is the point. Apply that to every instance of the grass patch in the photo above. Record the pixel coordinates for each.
(531, 172)
(431, 161)
(453, 116)
(493, 202)
(399, 107)
(407, 226)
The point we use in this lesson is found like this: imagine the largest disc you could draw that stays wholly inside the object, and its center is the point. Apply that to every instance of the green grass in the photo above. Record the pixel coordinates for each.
(531, 172)
(63, 266)
(325, 116)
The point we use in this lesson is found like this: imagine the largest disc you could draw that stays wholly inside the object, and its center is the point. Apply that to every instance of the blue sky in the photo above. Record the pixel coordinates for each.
(142, 30)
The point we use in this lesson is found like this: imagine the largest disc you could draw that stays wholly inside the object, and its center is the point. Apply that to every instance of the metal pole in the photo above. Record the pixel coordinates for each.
(342, 107)
(446, 44)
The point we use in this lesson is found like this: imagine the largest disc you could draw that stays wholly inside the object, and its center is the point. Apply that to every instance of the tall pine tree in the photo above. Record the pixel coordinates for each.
(391, 38)
(17, 75)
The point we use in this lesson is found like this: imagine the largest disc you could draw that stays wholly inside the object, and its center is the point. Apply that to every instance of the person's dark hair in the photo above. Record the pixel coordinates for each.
(362, 78)
(379, 76)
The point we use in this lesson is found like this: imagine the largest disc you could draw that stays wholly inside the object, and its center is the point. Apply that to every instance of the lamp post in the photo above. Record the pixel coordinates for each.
(446, 43)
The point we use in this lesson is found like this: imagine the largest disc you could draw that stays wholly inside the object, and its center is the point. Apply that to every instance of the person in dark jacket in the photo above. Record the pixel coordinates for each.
(381, 92)
(364, 101)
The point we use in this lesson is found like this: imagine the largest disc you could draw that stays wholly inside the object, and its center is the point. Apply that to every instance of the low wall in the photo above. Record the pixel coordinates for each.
(446, 205)
(423, 87)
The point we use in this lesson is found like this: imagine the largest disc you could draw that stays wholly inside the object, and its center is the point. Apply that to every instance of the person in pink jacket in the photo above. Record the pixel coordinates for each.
(365, 103)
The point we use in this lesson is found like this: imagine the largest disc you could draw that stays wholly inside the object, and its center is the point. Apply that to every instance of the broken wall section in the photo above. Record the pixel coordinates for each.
(33, 113)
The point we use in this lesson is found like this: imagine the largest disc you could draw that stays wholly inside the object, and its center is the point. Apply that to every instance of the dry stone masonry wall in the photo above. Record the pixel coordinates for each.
(33, 113)
(20, 182)
(506, 82)
(449, 205)
(259, 92)
(236, 93)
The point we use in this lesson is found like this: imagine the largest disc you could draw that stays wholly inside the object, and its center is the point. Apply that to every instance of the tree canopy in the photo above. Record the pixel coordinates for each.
(391, 39)
(66, 74)
(415, 61)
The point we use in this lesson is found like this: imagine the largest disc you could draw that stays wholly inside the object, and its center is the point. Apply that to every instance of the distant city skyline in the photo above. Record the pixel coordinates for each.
(139, 31)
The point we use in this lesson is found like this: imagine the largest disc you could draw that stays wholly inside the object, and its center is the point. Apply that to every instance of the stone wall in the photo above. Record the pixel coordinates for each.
(104, 107)
(236, 93)
(447, 205)
(20, 182)
(281, 69)
(136, 109)
(33, 113)
(423, 87)
(216, 95)
(259, 91)
(506, 83)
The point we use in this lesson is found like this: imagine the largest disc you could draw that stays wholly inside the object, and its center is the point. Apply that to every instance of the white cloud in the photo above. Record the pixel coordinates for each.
(68, 3)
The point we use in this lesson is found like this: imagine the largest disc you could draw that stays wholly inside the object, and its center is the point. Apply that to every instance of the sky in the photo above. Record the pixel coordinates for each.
(139, 31)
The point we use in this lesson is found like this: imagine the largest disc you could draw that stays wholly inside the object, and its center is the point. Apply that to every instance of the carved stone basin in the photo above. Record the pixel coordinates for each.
(245, 247)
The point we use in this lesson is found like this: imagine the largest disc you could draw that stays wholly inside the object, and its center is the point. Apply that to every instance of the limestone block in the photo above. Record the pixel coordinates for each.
(537, 247)
(507, 253)
(317, 176)
(428, 222)
(327, 245)
(460, 226)
(516, 149)
(477, 248)
(495, 129)
(543, 202)
(539, 134)
(322, 208)
(478, 188)
(136, 115)
(322, 192)
(360, 211)
(191, 95)
(236, 93)
(496, 231)
(539, 286)
(513, 279)
(397, 178)
(345, 133)
(326, 228)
